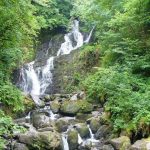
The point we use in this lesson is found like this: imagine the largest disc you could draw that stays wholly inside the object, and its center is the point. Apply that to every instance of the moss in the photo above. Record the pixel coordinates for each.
(74, 107)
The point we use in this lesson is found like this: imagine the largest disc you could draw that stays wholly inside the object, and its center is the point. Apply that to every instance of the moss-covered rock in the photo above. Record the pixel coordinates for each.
(121, 143)
(74, 107)
(61, 125)
(41, 140)
(73, 139)
(143, 144)
(83, 117)
(55, 106)
(83, 130)
(94, 124)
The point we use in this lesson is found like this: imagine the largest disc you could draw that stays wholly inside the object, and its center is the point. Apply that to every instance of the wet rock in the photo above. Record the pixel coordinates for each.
(103, 132)
(81, 95)
(73, 139)
(50, 140)
(46, 129)
(55, 106)
(28, 138)
(48, 98)
(20, 146)
(40, 120)
(121, 143)
(73, 107)
(83, 117)
(42, 140)
(62, 125)
(74, 97)
(108, 147)
(143, 144)
(94, 125)
(83, 130)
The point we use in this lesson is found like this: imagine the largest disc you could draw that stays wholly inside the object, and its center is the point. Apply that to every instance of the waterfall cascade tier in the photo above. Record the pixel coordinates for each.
(35, 80)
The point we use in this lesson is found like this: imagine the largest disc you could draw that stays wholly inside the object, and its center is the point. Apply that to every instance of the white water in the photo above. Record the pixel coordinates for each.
(65, 142)
(80, 140)
(46, 79)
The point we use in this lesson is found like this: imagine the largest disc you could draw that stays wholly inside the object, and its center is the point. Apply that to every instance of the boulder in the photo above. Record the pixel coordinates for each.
(55, 106)
(74, 107)
(62, 124)
(41, 140)
(103, 132)
(94, 125)
(108, 147)
(20, 146)
(121, 143)
(143, 144)
(40, 120)
(83, 117)
(83, 130)
(73, 139)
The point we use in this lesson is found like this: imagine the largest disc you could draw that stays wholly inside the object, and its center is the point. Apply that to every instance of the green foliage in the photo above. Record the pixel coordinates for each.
(53, 13)
(7, 128)
(122, 85)
(89, 57)
(126, 97)
(11, 96)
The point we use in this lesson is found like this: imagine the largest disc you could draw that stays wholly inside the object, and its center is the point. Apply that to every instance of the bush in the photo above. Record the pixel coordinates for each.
(125, 97)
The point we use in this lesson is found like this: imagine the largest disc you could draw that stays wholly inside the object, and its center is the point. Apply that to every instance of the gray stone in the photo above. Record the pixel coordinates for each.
(103, 132)
(121, 143)
(108, 147)
(143, 144)
(40, 120)
(20, 146)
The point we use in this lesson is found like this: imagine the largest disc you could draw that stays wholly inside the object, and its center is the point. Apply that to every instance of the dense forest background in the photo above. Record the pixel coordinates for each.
(119, 55)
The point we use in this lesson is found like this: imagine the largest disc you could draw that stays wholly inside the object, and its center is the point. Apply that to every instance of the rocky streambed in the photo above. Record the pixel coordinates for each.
(69, 122)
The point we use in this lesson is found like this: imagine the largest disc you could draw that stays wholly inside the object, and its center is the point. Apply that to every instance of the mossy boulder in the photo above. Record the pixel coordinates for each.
(94, 125)
(83, 130)
(61, 125)
(20, 146)
(41, 140)
(73, 139)
(143, 144)
(121, 143)
(74, 107)
(55, 106)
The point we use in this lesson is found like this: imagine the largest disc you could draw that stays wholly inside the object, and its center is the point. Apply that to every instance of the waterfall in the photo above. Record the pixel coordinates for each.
(46, 79)
(35, 81)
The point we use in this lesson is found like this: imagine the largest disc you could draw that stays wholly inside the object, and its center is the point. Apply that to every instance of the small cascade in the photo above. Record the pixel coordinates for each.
(89, 36)
(80, 140)
(65, 142)
(92, 139)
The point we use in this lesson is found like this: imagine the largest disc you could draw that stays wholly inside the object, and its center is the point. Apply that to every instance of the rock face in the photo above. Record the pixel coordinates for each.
(73, 107)
(143, 144)
(121, 143)
(73, 139)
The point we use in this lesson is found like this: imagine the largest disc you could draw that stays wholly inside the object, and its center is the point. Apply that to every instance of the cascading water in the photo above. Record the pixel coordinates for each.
(34, 81)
